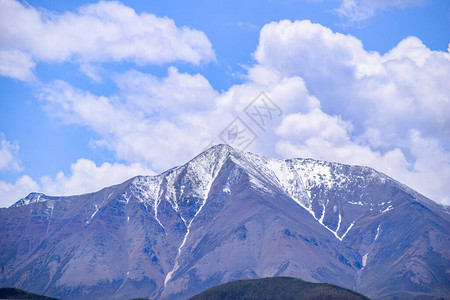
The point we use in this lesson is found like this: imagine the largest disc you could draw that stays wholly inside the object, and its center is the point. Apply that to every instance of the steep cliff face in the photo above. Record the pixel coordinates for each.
(224, 216)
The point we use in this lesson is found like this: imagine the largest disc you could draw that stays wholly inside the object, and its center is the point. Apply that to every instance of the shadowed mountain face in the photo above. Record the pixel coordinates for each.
(226, 216)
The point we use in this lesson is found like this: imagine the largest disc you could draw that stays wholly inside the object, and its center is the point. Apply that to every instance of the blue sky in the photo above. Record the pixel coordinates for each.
(92, 94)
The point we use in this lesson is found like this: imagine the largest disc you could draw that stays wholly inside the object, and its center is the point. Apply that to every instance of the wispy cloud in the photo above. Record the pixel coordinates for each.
(247, 25)
(361, 10)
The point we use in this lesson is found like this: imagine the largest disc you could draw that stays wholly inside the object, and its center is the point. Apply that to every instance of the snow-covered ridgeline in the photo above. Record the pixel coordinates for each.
(297, 177)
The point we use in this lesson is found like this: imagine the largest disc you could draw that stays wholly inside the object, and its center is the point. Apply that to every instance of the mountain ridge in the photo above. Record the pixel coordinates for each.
(226, 151)
(320, 221)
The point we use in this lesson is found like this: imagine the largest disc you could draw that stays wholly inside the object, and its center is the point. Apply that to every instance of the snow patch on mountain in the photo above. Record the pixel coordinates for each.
(364, 260)
(390, 207)
(378, 233)
(93, 214)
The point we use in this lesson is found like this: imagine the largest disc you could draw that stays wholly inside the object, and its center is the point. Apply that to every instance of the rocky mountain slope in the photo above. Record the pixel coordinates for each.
(225, 216)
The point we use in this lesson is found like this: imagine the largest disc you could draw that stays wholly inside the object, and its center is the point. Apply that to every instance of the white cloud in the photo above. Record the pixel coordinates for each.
(360, 10)
(315, 53)
(9, 160)
(431, 170)
(176, 93)
(100, 32)
(16, 64)
(85, 176)
(405, 88)
(315, 124)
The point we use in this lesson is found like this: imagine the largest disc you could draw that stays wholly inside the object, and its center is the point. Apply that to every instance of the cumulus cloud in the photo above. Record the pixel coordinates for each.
(360, 10)
(402, 90)
(9, 155)
(431, 169)
(85, 176)
(315, 124)
(100, 32)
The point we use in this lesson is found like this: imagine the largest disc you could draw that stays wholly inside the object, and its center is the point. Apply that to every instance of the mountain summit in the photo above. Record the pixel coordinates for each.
(225, 216)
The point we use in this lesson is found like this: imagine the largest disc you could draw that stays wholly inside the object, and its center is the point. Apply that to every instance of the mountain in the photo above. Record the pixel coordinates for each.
(226, 216)
(277, 288)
